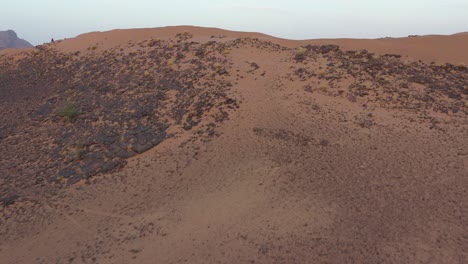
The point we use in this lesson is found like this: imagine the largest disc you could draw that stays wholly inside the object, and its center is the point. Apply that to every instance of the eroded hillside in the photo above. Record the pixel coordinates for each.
(210, 148)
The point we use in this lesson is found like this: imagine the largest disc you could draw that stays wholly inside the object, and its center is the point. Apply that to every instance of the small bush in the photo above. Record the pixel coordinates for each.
(69, 111)
(323, 87)
(93, 47)
(300, 53)
(322, 74)
(77, 153)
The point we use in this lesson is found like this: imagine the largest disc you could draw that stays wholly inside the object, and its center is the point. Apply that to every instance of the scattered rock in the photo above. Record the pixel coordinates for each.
(9, 200)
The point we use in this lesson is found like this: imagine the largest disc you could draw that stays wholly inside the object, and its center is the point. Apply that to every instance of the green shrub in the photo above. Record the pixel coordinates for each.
(69, 111)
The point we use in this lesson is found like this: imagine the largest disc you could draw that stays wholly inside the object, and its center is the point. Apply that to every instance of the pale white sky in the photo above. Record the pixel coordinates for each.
(39, 20)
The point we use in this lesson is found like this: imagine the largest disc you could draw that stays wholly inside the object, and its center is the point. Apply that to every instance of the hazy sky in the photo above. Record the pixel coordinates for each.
(39, 20)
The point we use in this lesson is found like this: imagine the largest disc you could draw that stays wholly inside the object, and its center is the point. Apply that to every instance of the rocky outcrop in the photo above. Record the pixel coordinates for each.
(9, 39)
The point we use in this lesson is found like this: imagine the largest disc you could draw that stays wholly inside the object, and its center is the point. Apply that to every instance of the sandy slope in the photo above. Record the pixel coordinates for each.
(433, 48)
(293, 176)
(439, 49)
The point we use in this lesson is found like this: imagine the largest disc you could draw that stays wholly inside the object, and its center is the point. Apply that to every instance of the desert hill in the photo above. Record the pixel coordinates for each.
(9, 39)
(200, 145)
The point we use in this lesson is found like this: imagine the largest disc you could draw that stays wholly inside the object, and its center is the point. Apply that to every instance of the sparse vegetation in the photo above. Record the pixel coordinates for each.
(93, 47)
(323, 87)
(77, 153)
(300, 53)
(77, 150)
(226, 52)
(69, 111)
(130, 147)
(321, 74)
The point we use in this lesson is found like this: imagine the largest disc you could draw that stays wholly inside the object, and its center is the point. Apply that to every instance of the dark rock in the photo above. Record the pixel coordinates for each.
(200, 52)
(110, 165)
(9, 200)
(328, 48)
(148, 140)
(441, 108)
(172, 85)
(187, 126)
(121, 151)
(76, 178)
(454, 95)
(323, 48)
(230, 101)
(352, 98)
(4, 132)
(365, 122)
(158, 138)
(140, 148)
(324, 143)
(93, 163)
(222, 72)
(103, 137)
(254, 66)
(421, 79)
(397, 56)
(43, 111)
(65, 173)
(142, 110)
(423, 97)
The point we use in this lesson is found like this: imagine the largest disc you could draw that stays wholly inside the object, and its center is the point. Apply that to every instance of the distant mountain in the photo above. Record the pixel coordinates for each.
(9, 39)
